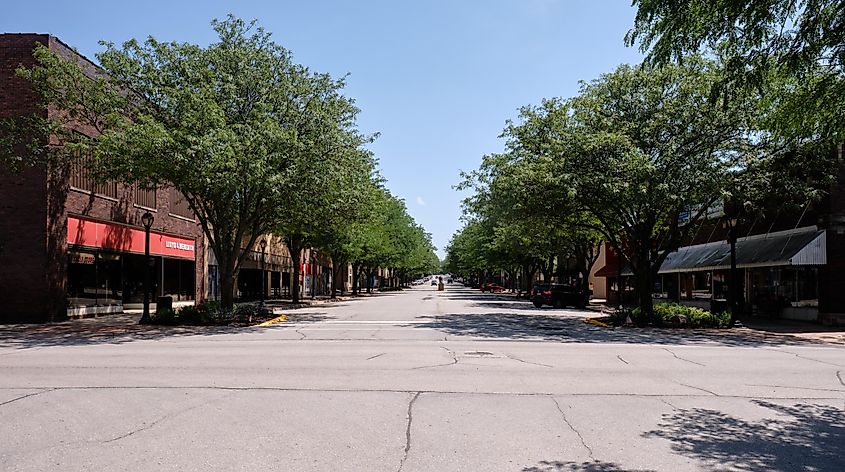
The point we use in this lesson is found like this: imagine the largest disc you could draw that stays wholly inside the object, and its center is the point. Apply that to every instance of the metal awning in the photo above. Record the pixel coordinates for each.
(799, 247)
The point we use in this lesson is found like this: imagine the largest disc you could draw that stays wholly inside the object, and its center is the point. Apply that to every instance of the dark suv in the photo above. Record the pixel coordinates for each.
(558, 296)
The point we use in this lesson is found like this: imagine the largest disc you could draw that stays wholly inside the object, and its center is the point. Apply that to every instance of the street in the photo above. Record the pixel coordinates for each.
(422, 380)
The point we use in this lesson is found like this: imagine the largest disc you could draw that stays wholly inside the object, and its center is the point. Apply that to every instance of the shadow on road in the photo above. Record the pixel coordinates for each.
(532, 323)
(538, 326)
(595, 466)
(76, 333)
(801, 437)
(117, 329)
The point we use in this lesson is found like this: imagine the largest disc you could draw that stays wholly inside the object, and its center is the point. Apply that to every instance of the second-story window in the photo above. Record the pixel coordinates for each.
(178, 205)
(81, 178)
(145, 197)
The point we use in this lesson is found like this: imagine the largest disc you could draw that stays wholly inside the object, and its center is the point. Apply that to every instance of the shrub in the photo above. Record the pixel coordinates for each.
(164, 317)
(190, 315)
(673, 314)
(245, 313)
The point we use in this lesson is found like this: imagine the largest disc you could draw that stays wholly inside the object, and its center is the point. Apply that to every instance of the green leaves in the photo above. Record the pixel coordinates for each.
(255, 142)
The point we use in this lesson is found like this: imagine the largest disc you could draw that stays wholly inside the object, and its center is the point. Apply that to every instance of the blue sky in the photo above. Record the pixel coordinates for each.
(437, 78)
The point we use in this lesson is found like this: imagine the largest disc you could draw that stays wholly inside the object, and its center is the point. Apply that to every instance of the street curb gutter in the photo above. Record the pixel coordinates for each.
(278, 319)
(595, 322)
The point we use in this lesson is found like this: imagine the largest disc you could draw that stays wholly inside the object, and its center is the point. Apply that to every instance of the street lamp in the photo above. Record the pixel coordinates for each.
(313, 273)
(147, 221)
(731, 220)
(263, 244)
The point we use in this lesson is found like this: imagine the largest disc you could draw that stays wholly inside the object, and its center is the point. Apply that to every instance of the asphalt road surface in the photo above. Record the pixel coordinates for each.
(421, 381)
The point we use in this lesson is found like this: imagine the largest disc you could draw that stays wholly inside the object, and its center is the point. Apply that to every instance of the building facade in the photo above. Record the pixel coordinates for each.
(789, 264)
(73, 246)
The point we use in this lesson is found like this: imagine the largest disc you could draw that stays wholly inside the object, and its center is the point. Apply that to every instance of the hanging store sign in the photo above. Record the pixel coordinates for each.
(105, 235)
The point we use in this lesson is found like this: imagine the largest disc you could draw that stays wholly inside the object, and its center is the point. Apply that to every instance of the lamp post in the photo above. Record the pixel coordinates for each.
(263, 245)
(313, 273)
(731, 219)
(147, 221)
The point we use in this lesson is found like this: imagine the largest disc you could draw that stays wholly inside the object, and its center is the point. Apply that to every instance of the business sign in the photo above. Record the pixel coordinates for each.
(103, 235)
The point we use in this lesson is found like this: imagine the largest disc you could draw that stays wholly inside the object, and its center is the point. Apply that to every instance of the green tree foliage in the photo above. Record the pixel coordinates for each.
(793, 51)
(255, 142)
(639, 156)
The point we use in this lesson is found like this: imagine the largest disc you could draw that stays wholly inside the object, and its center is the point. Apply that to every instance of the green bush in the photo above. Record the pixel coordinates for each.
(673, 314)
(164, 317)
(247, 312)
(190, 315)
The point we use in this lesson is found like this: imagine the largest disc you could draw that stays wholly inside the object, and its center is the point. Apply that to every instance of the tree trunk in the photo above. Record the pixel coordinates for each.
(356, 274)
(227, 283)
(294, 244)
(369, 273)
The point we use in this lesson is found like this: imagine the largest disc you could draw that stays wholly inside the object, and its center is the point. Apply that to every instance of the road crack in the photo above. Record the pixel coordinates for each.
(806, 358)
(528, 362)
(798, 388)
(623, 360)
(300, 333)
(839, 376)
(566, 420)
(27, 396)
(454, 360)
(408, 431)
(671, 405)
(682, 359)
(701, 389)
(161, 419)
(377, 355)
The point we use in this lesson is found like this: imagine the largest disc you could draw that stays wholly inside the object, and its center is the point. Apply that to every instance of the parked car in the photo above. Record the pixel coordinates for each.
(558, 296)
(492, 287)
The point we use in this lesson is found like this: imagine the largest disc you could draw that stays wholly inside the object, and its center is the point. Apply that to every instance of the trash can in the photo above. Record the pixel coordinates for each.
(718, 305)
(164, 304)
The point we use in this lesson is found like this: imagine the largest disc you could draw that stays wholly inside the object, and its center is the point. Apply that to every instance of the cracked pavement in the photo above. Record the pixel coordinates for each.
(416, 381)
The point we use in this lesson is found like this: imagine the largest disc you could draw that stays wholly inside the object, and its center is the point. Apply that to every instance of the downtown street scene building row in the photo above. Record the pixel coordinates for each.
(73, 246)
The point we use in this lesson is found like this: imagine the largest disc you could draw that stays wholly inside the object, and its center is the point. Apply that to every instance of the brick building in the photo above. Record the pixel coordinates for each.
(72, 246)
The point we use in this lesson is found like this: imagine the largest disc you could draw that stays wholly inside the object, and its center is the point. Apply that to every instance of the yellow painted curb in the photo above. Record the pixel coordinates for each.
(278, 319)
(595, 322)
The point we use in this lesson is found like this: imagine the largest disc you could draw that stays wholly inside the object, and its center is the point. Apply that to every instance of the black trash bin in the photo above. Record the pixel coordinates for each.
(718, 305)
(164, 304)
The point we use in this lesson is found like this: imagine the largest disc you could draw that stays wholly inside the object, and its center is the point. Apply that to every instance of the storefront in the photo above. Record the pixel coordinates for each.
(777, 274)
(105, 266)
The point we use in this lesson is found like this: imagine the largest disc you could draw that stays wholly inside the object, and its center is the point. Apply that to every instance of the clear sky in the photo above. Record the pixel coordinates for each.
(437, 78)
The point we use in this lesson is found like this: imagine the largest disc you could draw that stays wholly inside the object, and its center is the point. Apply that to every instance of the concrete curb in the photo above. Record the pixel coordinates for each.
(278, 319)
(596, 322)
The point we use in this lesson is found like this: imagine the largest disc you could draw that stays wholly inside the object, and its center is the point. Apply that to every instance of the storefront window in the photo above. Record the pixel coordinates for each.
(807, 285)
(94, 278)
(696, 285)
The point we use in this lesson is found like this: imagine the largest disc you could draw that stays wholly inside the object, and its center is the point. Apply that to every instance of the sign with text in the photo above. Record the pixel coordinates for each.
(99, 234)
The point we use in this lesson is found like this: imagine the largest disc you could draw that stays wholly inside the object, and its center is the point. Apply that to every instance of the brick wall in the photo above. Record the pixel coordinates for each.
(34, 206)
(23, 199)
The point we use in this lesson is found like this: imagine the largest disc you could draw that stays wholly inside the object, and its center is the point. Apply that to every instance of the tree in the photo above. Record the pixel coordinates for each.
(230, 126)
(792, 51)
(643, 151)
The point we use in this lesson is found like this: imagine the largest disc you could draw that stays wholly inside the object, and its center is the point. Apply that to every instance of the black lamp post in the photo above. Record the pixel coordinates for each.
(731, 219)
(147, 221)
(263, 245)
(313, 273)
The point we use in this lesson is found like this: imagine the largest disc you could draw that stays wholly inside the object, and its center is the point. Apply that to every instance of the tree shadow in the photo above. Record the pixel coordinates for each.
(800, 437)
(117, 330)
(595, 466)
(562, 328)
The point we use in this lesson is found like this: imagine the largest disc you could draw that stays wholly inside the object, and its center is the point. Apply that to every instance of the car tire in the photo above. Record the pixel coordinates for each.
(558, 304)
(537, 304)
